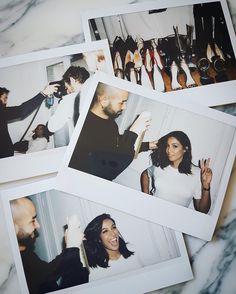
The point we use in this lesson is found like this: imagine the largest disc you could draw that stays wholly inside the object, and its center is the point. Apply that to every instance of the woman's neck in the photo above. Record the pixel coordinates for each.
(175, 164)
(114, 255)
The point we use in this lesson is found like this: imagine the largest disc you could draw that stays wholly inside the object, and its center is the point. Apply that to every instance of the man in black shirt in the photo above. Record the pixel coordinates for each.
(13, 113)
(42, 276)
(100, 149)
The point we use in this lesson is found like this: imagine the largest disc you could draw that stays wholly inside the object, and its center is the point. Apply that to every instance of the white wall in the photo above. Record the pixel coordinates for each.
(146, 25)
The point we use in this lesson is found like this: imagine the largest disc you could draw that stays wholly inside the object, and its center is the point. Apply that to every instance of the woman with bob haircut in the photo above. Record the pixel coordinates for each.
(106, 249)
(173, 176)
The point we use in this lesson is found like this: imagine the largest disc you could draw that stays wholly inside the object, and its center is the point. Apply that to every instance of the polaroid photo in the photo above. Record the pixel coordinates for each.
(227, 108)
(170, 45)
(116, 251)
(41, 96)
(163, 159)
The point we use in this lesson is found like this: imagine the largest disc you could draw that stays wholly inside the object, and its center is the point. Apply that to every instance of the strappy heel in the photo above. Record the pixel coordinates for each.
(118, 69)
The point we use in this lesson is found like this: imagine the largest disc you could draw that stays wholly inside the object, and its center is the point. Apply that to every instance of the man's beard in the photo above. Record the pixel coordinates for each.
(26, 239)
(109, 112)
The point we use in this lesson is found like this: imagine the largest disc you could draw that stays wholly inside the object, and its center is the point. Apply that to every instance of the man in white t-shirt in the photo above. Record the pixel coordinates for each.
(67, 111)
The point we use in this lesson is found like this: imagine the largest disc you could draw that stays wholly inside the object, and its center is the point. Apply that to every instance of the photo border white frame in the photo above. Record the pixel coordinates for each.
(169, 272)
(123, 198)
(224, 92)
(46, 161)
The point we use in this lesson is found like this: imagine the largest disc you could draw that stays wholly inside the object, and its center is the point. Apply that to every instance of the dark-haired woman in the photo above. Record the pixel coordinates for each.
(106, 250)
(39, 140)
(173, 176)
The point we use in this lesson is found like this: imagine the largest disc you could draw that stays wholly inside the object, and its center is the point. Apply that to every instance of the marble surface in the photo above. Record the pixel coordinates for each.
(30, 25)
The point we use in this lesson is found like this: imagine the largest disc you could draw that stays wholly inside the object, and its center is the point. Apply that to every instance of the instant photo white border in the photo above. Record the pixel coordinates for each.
(135, 202)
(210, 95)
(47, 161)
(157, 276)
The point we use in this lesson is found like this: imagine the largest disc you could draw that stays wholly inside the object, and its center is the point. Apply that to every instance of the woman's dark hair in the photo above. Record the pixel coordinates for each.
(95, 251)
(160, 158)
(46, 132)
(76, 72)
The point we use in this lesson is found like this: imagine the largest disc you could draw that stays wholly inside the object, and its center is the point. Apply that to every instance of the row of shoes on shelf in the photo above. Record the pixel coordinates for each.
(138, 61)
(145, 62)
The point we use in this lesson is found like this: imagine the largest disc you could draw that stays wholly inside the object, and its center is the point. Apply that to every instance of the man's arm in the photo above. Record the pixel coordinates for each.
(26, 108)
(68, 264)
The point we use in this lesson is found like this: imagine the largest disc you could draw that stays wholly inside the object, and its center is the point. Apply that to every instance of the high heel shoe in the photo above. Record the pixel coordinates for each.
(118, 69)
(217, 59)
(209, 53)
(128, 57)
(139, 42)
(137, 65)
(203, 65)
(144, 78)
(156, 55)
(158, 82)
(130, 44)
(130, 72)
(148, 63)
(174, 81)
(219, 52)
(190, 83)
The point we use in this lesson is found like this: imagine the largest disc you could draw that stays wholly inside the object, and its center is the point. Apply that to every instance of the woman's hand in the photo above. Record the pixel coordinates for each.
(206, 173)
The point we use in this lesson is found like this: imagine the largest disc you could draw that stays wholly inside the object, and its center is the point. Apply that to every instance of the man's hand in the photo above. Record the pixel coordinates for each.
(50, 89)
(153, 145)
(73, 235)
(141, 123)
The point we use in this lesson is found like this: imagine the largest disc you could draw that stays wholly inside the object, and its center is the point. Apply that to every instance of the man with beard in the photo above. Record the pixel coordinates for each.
(100, 149)
(41, 276)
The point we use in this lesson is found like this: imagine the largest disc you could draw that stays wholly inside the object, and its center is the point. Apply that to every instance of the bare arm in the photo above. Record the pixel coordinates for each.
(204, 204)
(144, 180)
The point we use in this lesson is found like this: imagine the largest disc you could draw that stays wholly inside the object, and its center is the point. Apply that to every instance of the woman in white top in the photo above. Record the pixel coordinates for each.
(173, 176)
(106, 250)
(39, 140)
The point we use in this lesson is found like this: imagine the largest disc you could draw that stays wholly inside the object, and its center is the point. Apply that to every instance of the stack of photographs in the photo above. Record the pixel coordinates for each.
(113, 148)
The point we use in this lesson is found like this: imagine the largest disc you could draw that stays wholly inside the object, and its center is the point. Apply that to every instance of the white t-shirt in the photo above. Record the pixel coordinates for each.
(65, 110)
(119, 266)
(63, 114)
(176, 187)
(37, 144)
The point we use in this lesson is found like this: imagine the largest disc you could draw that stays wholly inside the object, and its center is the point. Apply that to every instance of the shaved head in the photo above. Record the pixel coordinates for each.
(109, 101)
(25, 221)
